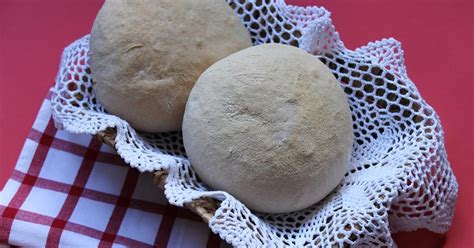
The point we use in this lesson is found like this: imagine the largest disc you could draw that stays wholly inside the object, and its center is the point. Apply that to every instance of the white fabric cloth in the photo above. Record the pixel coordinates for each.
(399, 177)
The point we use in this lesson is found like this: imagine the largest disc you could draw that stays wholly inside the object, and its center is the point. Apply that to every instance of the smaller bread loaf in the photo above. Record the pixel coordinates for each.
(146, 55)
(270, 125)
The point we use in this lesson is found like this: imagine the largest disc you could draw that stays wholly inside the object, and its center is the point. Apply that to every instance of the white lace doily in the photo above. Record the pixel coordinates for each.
(399, 177)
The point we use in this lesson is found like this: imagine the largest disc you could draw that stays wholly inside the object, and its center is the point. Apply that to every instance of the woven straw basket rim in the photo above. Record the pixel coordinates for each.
(204, 207)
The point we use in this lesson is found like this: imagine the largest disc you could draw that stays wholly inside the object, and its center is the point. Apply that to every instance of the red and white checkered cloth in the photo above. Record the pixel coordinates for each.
(72, 190)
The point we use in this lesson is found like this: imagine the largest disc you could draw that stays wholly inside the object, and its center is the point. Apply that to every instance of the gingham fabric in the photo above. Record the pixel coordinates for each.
(72, 190)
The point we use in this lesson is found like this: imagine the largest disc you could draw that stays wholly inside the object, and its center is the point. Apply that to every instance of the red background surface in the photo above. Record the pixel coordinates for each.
(437, 37)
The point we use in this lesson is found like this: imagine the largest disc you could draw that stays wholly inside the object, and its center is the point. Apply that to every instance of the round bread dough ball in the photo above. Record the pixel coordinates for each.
(270, 125)
(145, 56)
